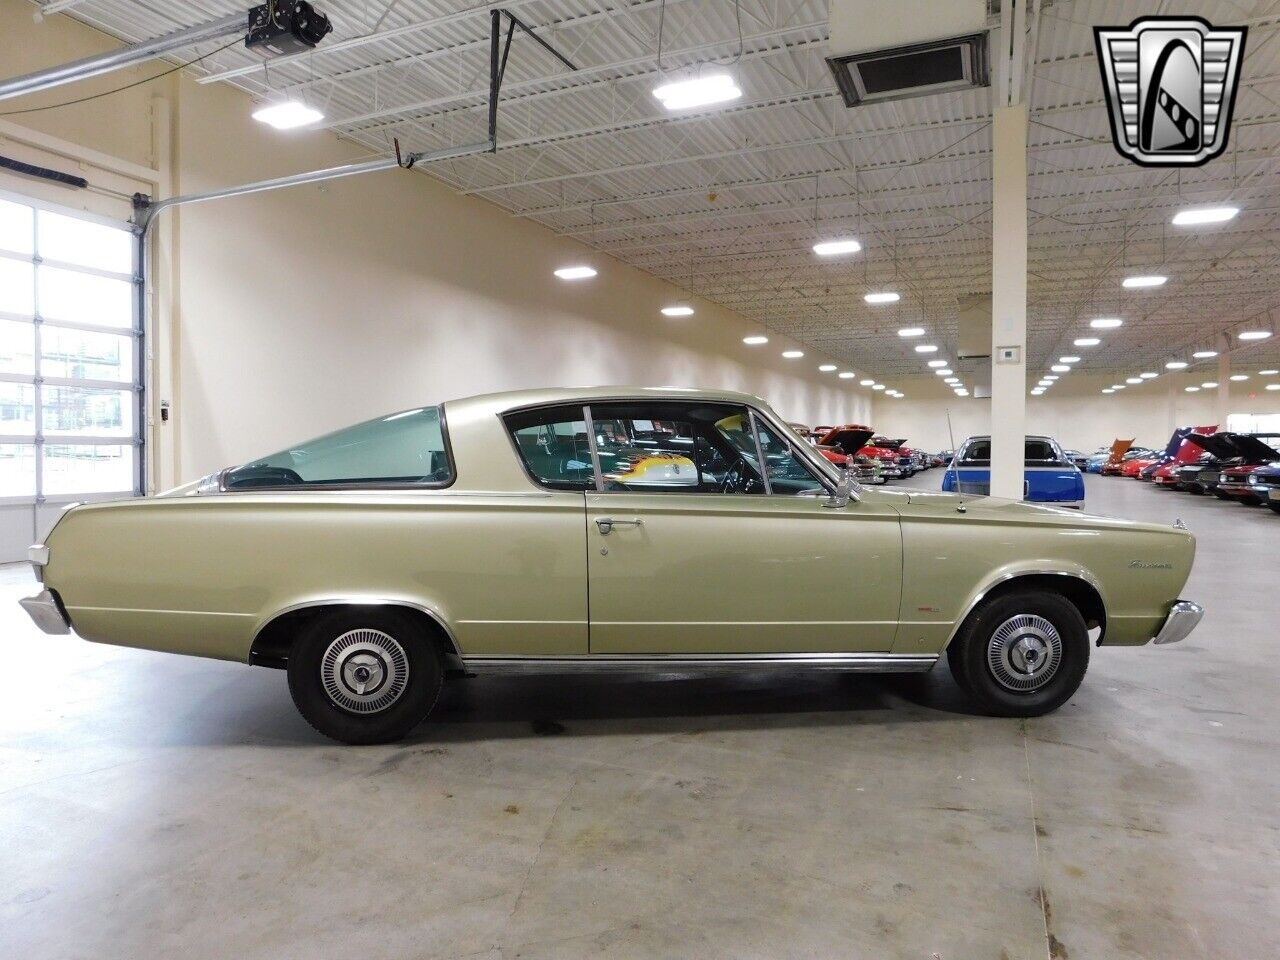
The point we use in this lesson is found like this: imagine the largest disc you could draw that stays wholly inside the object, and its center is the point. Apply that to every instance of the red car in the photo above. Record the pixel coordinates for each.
(1188, 452)
(1233, 482)
(851, 440)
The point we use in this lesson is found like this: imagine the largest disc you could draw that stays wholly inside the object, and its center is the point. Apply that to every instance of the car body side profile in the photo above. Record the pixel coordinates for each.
(372, 562)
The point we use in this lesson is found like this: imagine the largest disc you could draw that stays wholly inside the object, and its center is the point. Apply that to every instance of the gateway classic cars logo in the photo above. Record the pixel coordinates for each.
(1171, 86)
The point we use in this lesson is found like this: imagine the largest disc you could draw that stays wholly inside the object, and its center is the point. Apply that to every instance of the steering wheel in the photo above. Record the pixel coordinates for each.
(738, 479)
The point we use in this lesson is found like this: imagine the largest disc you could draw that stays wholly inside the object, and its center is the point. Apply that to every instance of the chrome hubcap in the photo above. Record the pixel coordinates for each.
(1024, 653)
(364, 671)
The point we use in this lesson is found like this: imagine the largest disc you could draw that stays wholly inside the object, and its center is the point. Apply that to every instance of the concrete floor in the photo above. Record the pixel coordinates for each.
(154, 806)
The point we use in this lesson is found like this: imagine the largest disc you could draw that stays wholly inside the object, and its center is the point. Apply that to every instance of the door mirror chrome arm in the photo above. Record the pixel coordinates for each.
(606, 524)
(846, 490)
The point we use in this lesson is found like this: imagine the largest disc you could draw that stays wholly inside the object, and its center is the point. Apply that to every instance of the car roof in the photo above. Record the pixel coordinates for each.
(516, 399)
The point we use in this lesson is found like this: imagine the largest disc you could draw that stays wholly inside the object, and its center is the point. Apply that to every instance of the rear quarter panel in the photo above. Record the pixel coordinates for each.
(201, 575)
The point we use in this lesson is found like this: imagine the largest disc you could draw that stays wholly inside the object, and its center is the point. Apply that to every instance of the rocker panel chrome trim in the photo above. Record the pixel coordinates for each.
(659, 663)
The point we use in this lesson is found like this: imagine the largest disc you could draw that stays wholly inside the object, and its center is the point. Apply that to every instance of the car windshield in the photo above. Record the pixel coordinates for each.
(404, 449)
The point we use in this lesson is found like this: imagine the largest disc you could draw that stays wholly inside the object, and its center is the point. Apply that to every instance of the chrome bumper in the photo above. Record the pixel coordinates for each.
(46, 612)
(1182, 619)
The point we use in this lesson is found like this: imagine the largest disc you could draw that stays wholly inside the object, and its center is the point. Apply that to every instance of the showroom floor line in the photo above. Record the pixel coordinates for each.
(152, 806)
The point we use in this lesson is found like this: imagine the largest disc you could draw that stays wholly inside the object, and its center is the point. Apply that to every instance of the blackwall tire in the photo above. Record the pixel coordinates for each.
(1022, 654)
(363, 675)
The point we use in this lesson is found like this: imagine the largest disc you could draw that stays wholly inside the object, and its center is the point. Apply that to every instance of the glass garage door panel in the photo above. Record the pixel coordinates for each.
(85, 243)
(74, 297)
(17, 470)
(17, 347)
(88, 468)
(17, 289)
(16, 222)
(17, 409)
(87, 412)
(83, 354)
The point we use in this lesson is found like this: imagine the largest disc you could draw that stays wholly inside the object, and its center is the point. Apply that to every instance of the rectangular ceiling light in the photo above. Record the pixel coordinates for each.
(698, 92)
(288, 115)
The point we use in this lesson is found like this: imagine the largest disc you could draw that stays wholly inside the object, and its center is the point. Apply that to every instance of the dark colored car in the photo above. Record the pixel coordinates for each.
(1199, 477)
(1266, 480)
(1253, 451)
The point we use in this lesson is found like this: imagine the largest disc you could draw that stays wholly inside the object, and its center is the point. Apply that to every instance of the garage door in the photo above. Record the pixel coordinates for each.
(70, 370)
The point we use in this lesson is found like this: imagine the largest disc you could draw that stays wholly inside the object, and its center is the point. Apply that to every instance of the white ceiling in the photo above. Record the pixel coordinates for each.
(722, 202)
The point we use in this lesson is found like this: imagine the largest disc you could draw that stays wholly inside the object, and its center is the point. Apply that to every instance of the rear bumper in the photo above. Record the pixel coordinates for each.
(1182, 619)
(46, 611)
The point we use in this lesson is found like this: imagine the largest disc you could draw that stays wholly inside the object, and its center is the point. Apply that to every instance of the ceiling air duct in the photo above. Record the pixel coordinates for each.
(892, 49)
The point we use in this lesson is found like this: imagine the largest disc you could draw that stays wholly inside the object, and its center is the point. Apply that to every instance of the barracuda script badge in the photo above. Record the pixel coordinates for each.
(1151, 565)
(1171, 87)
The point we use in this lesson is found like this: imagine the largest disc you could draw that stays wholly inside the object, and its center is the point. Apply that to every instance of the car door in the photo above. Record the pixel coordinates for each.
(693, 549)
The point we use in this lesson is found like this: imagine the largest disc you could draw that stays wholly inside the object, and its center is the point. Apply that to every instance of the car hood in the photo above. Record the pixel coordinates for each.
(848, 439)
(1254, 450)
(995, 509)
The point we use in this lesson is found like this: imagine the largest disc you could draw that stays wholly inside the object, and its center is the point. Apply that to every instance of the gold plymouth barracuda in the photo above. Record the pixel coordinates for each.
(610, 528)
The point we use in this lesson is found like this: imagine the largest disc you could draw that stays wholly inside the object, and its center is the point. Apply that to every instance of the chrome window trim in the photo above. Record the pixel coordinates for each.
(515, 449)
(356, 602)
(761, 465)
(595, 451)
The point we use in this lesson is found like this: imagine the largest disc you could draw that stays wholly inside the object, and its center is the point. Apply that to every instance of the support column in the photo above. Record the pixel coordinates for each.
(1224, 388)
(1008, 300)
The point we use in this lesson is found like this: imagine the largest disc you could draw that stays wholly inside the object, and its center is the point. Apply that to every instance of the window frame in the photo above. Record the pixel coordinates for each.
(755, 415)
(134, 388)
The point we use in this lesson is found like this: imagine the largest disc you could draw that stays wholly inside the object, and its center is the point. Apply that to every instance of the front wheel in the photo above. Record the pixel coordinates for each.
(1022, 654)
(364, 674)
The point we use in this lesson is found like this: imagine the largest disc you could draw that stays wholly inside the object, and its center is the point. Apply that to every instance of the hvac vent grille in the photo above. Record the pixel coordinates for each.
(912, 71)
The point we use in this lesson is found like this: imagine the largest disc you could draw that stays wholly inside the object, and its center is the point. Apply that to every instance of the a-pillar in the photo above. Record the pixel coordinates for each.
(1008, 300)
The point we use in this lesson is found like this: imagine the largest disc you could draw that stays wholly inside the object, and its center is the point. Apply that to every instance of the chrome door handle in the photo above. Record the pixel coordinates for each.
(608, 523)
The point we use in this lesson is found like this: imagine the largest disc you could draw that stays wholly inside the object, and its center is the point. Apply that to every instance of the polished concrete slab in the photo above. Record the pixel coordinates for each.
(155, 806)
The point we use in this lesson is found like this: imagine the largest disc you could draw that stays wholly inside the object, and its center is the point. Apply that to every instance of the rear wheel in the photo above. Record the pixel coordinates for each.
(1021, 654)
(364, 674)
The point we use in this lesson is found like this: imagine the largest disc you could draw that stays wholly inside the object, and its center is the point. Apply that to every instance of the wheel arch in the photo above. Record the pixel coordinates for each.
(1074, 585)
(275, 636)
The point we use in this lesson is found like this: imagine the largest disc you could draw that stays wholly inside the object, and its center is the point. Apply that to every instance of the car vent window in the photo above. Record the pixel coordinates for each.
(553, 447)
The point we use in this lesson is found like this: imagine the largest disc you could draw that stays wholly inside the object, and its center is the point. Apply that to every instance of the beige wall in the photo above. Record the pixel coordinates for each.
(297, 311)
(1076, 412)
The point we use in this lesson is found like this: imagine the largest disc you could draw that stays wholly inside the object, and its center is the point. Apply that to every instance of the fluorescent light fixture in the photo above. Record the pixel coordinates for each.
(1197, 215)
(952, 380)
(575, 273)
(1060, 368)
(962, 393)
(836, 248)
(1205, 354)
(1273, 386)
(846, 374)
(1133, 380)
(1209, 384)
(1109, 390)
(793, 354)
(926, 348)
(938, 363)
(877, 386)
(866, 383)
(944, 372)
(755, 340)
(1086, 342)
(698, 91)
(1068, 359)
(288, 115)
(886, 297)
(1037, 392)
(1268, 373)
(1106, 323)
(1138, 283)
(1175, 365)
(827, 367)
(677, 311)
(1118, 386)
(1191, 389)
(1149, 375)
(1253, 335)
(911, 332)
(1239, 377)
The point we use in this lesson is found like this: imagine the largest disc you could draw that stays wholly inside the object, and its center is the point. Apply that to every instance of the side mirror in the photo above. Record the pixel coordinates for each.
(846, 490)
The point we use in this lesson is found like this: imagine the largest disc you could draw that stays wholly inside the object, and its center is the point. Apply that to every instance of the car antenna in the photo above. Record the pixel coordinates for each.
(951, 435)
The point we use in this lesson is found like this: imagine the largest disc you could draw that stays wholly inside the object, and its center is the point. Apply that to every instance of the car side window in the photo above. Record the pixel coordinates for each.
(553, 446)
(788, 474)
(671, 447)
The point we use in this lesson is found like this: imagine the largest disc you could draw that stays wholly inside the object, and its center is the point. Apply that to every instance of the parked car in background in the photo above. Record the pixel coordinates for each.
(1115, 468)
(1199, 477)
(1119, 448)
(1266, 481)
(371, 562)
(1050, 477)
(1255, 451)
(853, 439)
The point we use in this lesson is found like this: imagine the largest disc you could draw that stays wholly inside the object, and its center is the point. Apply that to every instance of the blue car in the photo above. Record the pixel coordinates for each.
(1051, 477)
